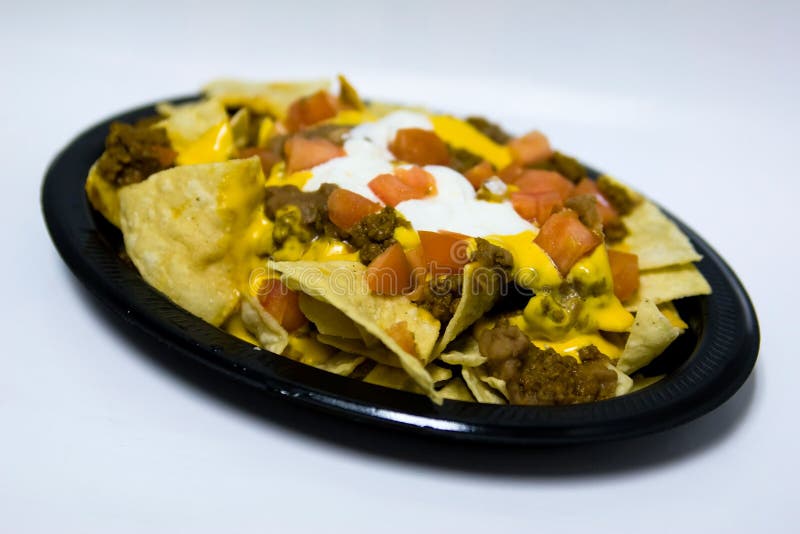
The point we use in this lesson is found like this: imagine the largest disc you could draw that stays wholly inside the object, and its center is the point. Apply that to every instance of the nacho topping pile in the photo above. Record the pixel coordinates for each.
(405, 248)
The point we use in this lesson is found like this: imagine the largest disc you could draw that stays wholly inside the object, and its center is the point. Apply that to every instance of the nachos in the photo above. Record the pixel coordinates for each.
(406, 248)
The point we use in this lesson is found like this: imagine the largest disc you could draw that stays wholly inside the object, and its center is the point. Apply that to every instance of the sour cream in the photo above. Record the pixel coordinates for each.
(454, 207)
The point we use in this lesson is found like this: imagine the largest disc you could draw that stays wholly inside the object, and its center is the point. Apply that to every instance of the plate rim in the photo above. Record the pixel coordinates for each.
(719, 365)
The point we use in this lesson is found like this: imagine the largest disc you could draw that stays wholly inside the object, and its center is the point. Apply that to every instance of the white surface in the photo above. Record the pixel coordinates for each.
(696, 104)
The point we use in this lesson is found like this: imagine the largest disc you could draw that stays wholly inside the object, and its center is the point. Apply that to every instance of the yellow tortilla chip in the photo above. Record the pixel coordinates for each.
(482, 391)
(465, 353)
(103, 196)
(651, 333)
(480, 290)
(655, 239)
(186, 123)
(344, 285)
(272, 98)
(328, 319)
(641, 382)
(456, 389)
(189, 238)
(670, 283)
(305, 348)
(380, 354)
(268, 331)
(392, 377)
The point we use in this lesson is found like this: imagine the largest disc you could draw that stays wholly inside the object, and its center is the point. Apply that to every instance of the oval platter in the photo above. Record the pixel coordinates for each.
(703, 368)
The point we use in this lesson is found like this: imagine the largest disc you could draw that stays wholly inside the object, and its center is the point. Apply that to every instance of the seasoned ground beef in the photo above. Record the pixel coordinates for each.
(489, 129)
(309, 220)
(374, 233)
(586, 208)
(566, 166)
(490, 255)
(537, 376)
(442, 295)
(462, 160)
(617, 196)
(134, 152)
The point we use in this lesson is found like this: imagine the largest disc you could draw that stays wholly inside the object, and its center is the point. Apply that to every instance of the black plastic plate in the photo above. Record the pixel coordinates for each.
(704, 367)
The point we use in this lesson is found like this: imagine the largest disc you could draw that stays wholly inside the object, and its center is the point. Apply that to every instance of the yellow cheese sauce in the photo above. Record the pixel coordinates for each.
(461, 134)
(214, 146)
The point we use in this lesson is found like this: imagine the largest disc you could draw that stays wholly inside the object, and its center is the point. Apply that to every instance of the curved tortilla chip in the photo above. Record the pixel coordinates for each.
(103, 196)
(328, 319)
(480, 290)
(668, 284)
(272, 98)
(482, 391)
(269, 333)
(392, 377)
(456, 389)
(186, 123)
(187, 235)
(655, 239)
(379, 354)
(652, 332)
(344, 285)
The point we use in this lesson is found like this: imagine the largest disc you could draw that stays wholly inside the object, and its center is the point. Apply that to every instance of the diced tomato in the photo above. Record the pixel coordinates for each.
(444, 253)
(305, 153)
(390, 272)
(566, 239)
(403, 336)
(405, 184)
(281, 303)
(268, 157)
(537, 181)
(346, 208)
(530, 148)
(417, 178)
(391, 190)
(310, 110)
(511, 172)
(588, 187)
(625, 272)
(536, 207)
(421, 147)
(479, 174)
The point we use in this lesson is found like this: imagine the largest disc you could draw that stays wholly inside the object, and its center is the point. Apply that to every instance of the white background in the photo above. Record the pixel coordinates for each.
(696, 104)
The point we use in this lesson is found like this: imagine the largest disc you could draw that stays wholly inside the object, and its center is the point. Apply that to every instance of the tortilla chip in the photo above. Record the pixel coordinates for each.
(641, 382)
(496, 383)
(348, 94)
(670, 283)
(481, 390)
(270, 98)
(328, 319)
(380, 354)
(651, 333)
(103, 196)
(456, 389)
(624, 382)
(183, 232)
(186, 123)
(465, 352)
(480, 290)
(344, 285)
(305, 348)
(655, 239)
(671, 312)
(268, 331)
(342, 363)
(392, 377)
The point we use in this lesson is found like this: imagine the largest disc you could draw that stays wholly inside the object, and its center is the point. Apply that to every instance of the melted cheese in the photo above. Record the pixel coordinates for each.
(329, 249)
(214, 146)
(461, 134)
(278, 177)
(533, 268)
